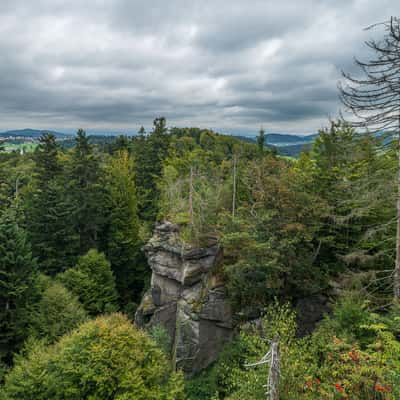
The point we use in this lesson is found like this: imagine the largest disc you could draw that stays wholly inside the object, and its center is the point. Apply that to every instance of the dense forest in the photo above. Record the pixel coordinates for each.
(74, 221)
(319, 229)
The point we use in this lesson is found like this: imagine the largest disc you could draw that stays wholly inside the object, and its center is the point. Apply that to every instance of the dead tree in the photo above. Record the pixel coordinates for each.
(273, 359)
(374, 101)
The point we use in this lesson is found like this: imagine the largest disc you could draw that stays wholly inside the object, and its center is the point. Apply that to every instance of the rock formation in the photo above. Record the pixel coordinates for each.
(187, 297)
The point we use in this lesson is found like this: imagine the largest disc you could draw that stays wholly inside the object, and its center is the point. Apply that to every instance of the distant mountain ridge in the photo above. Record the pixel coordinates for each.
(290, 145)
(32, 133)
(283, 139)
(286, 144)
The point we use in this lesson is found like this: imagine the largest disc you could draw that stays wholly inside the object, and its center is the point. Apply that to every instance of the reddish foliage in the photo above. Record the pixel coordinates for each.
(339, 387)
(380, 388)
(353, 355)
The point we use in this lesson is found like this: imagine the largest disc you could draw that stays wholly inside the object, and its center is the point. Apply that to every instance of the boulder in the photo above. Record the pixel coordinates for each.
(187, 297)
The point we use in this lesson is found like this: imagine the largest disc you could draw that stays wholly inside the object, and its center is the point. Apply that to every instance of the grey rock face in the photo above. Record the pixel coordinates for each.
(187, 297)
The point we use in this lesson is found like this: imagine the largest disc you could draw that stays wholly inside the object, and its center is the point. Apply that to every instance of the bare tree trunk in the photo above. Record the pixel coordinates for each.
(191, 196)
(274, 372)
(273, 359)
(396, 278)
(234, 188)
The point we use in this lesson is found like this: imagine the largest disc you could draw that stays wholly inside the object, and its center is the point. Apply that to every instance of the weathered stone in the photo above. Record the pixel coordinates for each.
(187, 297)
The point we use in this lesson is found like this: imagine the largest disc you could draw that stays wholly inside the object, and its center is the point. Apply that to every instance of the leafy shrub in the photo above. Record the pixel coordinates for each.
(106, 358)
(57, 312)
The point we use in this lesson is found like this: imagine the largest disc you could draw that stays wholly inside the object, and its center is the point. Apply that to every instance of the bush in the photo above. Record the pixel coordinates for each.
(352, 355)
(57, 312)
(106, 358)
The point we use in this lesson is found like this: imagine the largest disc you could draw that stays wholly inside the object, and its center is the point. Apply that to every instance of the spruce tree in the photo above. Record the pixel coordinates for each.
(49, 211)
(150, 151)
(17, 288)
(261, 141)
(123, 243)
(86, 192)
(93, 282)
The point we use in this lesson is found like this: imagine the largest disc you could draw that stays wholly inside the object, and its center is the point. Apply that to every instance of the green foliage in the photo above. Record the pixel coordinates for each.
(57, 312)
(104, 359)
(322, 366)
(270, 245)
(92, 280)
(123, 242)
(228, 374)
(15, 178)
(161, 337)
(149, 152)
(49, 211)
(18, 271)
(85, 188)
(261, 141)
(288, 228)
(197, 181)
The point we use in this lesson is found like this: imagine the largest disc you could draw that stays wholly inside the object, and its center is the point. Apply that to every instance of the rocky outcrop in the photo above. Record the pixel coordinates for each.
(187, 297)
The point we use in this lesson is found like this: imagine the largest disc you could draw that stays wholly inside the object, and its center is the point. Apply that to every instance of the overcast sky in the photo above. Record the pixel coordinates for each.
(227, 65)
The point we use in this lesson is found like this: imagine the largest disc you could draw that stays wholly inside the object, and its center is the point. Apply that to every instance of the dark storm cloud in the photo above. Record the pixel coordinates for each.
(228, 65)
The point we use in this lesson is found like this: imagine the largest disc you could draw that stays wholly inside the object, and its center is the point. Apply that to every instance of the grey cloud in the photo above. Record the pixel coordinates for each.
(230, 65)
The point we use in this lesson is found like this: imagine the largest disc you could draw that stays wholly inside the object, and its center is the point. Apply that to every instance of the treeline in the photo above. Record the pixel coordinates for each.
(287, 226)
(73, 222)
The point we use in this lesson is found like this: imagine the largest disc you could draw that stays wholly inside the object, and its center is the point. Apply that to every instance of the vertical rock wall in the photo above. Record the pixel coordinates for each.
(187, 297)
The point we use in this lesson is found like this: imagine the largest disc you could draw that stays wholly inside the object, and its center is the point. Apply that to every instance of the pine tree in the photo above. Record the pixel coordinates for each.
(17, 289)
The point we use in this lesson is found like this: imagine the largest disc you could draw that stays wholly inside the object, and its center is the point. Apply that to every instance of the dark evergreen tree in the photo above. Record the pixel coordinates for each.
(49, 211)
(121, 143)
(87, 194)
(93, 282)
(149, 153)
(17, 289)
(123, 242)
(261, 140)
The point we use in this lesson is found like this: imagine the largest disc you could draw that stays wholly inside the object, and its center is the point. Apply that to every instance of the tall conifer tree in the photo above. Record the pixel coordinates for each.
(50, 210)
(17, 289)
(86, 191)
(123, 233)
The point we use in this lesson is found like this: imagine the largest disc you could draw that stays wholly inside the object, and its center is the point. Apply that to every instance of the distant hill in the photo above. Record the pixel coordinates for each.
(293, 150)
(99, 140)
(277, 139)
(285, 144)
(32, 133)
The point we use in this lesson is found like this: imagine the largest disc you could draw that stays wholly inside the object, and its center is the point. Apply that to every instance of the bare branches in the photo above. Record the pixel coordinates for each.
(273, 359)
(374, 100)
